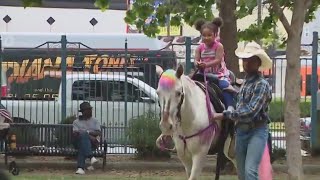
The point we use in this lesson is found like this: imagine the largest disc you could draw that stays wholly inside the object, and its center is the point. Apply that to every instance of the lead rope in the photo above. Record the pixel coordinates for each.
(210, 114)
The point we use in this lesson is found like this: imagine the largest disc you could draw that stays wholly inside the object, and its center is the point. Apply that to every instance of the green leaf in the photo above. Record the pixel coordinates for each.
(176, 20)
(245, 7)
(31, 3)
(103, 5)
(131, 16)
(310, 12)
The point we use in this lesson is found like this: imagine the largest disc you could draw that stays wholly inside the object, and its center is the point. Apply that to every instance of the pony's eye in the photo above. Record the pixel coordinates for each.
(178, 93)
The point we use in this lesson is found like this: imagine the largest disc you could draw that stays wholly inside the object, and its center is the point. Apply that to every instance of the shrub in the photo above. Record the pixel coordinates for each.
(142, 134)
(276, 110)
(278, 153)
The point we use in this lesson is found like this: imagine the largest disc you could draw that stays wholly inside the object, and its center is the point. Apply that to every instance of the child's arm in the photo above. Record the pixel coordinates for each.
(197, 57)
(219, 56)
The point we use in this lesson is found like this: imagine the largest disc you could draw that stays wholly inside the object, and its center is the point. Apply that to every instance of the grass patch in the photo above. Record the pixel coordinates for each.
(206, 177)
(85, 177)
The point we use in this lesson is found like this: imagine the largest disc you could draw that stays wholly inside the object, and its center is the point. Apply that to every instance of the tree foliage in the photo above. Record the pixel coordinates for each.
(101, 4)
(179, 11)
(189, 11)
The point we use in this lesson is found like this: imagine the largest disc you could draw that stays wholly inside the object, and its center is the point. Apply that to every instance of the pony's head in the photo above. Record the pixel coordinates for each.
(171, 96)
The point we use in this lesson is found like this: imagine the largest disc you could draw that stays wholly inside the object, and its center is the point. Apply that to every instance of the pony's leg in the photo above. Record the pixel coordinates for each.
(186, 161)
(198, 160)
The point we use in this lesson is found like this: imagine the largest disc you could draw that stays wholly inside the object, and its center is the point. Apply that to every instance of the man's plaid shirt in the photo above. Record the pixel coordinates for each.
(254, 98)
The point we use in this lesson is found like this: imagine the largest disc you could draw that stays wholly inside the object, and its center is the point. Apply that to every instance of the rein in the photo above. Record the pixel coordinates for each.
(210, 116)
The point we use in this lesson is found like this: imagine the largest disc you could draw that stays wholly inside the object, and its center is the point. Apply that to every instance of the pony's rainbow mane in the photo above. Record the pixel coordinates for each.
(168, 79)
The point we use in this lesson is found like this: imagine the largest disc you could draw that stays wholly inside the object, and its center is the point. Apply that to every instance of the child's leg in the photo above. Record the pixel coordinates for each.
(228, 96)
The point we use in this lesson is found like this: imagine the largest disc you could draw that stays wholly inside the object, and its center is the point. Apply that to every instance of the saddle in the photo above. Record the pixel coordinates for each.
(215, 95)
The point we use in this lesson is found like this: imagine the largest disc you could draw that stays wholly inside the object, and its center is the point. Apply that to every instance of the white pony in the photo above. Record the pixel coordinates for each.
(185, 117)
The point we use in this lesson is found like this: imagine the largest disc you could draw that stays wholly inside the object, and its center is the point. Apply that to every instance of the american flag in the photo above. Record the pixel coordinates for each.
(4, 113)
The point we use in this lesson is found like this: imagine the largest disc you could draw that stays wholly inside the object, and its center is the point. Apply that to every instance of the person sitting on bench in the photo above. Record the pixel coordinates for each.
(86, 131)
(209, 58)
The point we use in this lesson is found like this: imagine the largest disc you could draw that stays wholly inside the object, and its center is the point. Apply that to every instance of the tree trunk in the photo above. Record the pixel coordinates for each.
(228, 34)
(292, 93)
(292, 109)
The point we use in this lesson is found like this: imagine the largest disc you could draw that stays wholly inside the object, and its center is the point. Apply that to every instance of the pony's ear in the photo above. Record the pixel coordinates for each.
(159, 70)
(179, 71)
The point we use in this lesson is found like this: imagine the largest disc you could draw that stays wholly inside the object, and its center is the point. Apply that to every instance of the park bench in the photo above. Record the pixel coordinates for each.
(47, 140)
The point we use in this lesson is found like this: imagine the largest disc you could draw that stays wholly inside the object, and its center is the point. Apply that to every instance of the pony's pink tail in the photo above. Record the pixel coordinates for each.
(265, 168)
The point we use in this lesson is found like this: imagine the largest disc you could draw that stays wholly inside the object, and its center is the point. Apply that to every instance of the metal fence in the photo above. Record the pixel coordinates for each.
(315, 142)
(47, 83)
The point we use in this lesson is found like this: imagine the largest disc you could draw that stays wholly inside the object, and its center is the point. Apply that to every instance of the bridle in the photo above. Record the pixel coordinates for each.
(179, 104)
(178, 115)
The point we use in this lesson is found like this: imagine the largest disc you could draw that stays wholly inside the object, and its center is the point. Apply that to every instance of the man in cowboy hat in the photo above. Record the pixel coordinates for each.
(250, 114)
(86, 130)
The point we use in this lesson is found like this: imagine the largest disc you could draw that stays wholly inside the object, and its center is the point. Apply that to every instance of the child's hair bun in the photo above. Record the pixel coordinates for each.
(199, 23)
(217, 21)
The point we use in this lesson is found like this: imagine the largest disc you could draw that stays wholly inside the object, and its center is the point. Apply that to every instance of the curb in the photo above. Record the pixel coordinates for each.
(139, 166)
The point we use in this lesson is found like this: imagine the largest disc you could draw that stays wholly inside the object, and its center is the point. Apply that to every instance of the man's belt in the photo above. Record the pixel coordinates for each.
(251, 125)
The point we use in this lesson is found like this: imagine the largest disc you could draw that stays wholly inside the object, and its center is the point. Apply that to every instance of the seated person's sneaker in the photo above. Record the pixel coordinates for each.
(90, 168)
(80, 171)
(93, 160)
(230, 108)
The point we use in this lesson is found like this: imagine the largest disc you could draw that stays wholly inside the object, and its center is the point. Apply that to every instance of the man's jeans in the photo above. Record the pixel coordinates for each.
(250, 146)
(83, 144)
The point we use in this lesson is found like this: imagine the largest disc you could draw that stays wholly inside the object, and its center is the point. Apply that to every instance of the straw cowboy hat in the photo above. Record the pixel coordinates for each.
(254, 49)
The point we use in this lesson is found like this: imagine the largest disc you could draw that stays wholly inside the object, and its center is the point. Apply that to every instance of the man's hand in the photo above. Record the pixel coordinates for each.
(217, 117)
(78, 132)
(95, 133)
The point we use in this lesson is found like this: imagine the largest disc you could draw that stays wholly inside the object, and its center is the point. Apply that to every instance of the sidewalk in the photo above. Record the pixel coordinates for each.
(135, 165)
